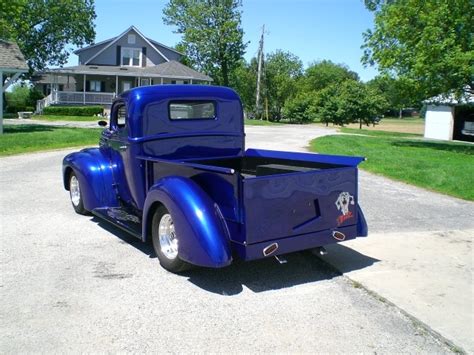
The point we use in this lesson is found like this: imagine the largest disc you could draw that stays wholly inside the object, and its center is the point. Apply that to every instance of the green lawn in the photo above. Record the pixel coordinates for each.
(67, 118)
(445, 167)
(373, 133)
(31, 138)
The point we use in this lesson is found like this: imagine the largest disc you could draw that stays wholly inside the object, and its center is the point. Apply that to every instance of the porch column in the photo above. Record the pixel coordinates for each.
(191, 81)
(161, 81)
(84, 90)
(116, 85)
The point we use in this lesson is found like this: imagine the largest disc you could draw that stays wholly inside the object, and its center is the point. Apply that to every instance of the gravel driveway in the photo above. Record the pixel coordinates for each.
(71, 283)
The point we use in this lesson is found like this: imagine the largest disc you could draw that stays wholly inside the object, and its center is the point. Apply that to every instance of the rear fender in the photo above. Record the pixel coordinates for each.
(362, 229)
(203, 235)
(94, 173)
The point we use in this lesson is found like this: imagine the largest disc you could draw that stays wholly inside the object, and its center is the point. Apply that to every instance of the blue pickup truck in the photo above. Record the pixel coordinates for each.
(171, 167)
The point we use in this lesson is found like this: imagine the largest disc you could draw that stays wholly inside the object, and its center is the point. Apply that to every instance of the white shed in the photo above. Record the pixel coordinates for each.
(450, 119)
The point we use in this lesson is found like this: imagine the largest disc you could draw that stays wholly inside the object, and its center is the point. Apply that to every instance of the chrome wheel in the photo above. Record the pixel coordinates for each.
(167, 237)
(75, 191)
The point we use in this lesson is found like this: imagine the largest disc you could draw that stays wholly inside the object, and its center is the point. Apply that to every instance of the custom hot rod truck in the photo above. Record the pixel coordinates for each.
(172, 167)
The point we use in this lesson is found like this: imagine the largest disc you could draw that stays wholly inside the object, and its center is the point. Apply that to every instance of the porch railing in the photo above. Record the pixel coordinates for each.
(75, 98)
(41, 104)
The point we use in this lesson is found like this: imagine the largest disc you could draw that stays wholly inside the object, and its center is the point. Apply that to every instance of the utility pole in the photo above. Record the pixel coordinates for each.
(258, 108)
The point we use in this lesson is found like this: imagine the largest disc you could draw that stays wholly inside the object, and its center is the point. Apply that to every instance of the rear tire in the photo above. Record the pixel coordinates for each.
(166, 241)
(75, 193)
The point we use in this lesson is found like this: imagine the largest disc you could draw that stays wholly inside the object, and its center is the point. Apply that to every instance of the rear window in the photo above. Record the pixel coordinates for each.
(192, 110)
(121, 117)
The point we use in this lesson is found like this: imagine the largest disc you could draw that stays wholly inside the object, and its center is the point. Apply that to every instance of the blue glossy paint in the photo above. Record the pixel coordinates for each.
(293, 243)
(315, 158)
(285, 205)
(94, 172)
(199, 170)
(362, 228)
(203, 236)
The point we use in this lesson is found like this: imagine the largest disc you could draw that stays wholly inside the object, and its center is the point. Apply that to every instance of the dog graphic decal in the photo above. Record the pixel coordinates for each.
(342, 203)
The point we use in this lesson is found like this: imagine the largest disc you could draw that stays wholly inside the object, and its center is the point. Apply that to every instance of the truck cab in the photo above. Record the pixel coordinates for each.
(171, 167)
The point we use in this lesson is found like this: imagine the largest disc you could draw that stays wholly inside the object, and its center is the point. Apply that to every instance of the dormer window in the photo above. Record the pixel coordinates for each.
(131, 57)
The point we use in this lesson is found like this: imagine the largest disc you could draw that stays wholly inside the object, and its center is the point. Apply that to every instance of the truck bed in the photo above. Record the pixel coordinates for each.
(254, 166)
(275, 195)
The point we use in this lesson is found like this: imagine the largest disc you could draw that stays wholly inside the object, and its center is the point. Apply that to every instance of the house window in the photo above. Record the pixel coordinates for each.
(131, 39)
(95, 86)
(192, 110)
(144, 81)
(131, 57)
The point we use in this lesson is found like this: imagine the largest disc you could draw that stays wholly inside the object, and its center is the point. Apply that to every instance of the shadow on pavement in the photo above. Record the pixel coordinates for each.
(345, 259)
(145, 248)
(262, 275)
(259, 275)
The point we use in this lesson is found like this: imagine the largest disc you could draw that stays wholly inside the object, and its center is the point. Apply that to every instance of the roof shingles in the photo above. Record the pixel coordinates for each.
(171, 69)
(11, 58)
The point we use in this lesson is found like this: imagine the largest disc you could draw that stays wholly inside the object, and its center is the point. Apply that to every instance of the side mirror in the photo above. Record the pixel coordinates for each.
(102, 123)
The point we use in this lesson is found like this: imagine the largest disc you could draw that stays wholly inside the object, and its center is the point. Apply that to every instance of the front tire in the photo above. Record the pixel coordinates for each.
(75, 194)
(166, 241)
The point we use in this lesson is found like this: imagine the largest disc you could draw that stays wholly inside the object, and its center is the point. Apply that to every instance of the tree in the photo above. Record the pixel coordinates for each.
(212, 34)
(301, 108)
(429, 42)
(350, 101)
(282, 69)
(44, 28)
(399, 93)
(324, 73)
(22, 98)
(244, 80)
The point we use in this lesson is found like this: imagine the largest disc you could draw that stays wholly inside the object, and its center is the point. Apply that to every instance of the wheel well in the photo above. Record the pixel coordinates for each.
(67, 176)
(149, 219)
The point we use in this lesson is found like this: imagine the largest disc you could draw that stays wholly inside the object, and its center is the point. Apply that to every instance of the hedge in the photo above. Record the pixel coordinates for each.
(73, 110)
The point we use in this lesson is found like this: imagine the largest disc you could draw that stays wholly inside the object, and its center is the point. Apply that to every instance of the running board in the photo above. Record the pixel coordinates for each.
(120, 218)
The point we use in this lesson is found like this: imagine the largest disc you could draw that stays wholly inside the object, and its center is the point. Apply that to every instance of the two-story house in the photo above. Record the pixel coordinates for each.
(107, 68)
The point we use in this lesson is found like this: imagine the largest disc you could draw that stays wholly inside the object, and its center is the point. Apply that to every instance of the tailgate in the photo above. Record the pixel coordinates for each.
(280, 206)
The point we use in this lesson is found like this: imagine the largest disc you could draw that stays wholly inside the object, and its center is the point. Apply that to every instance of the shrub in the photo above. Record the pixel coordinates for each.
(73, 110)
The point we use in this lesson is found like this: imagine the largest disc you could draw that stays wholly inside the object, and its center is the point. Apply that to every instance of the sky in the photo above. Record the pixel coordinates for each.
(311, 29)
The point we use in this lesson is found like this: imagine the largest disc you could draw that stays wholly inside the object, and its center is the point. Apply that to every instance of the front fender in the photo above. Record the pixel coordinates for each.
(203, 235)
(94, 173)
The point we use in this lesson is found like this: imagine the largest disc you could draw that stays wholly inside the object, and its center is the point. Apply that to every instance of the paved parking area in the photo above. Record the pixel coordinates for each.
(419, 251)
(74, 283)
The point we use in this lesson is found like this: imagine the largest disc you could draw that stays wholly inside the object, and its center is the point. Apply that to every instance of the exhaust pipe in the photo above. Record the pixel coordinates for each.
(270, 249)
(319, 251)
(338, 235)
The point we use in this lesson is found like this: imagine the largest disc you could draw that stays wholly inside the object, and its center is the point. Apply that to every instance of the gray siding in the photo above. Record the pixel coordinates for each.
(153, 57)
(85, 55)
(168, 53)
(109, 56)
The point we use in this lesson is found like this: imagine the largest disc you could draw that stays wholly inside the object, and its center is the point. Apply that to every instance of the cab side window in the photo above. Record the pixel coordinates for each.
(118, 120)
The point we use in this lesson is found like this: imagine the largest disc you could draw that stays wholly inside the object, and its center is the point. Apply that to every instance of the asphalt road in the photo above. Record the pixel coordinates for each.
(73, 283)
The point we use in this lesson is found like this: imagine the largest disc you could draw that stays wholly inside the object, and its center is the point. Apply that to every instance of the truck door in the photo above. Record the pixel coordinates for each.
(119, 152)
